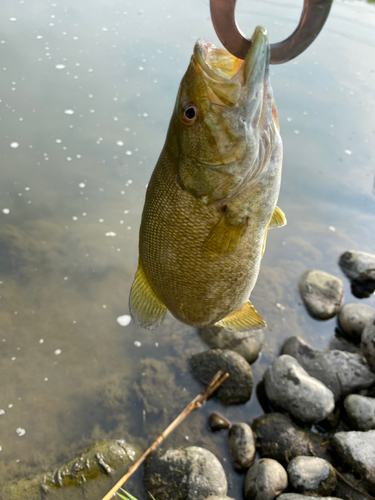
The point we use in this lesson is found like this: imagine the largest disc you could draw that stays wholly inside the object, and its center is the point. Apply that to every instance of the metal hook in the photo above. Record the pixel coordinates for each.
(314, 15)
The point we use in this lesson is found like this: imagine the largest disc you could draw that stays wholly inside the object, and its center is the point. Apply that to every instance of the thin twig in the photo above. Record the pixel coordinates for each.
(197, 402)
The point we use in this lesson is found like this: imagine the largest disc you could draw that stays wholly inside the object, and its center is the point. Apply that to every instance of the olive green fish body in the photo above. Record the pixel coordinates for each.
(212, 197)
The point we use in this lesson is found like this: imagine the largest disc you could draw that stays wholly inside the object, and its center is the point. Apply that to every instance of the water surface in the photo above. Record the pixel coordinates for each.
(87, 90)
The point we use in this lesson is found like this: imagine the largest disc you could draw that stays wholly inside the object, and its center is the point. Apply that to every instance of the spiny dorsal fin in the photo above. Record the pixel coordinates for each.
(146, 309)
(242, 320)
(224, 238)
(278, 218)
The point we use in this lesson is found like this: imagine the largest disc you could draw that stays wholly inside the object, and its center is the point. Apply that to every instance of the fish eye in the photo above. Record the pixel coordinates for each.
(189, 113)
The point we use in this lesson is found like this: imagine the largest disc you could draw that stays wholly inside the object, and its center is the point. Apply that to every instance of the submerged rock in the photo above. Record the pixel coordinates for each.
(353, 263)
(290, 387)
(215, 497)
(360, 411)
(312, 475)
(278, 437)
(340, 371)
(299, 496)
(237, 388)
(191, 473)
(322, 293)
(91, 473)
(248, 344)
(364, 285)
(265, 479)
(353, 318)
(217, 422)
(241, 443)
(368, 342)
(358, 450)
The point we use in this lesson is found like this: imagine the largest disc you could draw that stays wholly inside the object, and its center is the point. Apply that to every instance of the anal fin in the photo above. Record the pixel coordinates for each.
(224, 238)
(242, 320)
(146, 309)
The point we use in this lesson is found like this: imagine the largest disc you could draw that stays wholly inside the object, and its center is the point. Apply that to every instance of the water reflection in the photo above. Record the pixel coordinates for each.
(72, 192)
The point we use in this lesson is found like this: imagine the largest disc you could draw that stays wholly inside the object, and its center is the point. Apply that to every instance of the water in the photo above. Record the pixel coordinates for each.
(86, 91)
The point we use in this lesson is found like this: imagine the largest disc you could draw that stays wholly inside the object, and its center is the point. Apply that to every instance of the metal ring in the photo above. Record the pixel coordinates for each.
(314, 15)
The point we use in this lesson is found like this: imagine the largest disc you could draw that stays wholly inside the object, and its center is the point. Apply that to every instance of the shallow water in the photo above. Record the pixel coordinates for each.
(86, 93)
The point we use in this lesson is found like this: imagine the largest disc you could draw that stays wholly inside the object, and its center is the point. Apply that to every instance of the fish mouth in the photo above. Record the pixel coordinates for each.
(221, 67)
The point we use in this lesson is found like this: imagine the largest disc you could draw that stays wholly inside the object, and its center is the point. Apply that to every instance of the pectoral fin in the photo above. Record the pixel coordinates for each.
(278, 218)
(224, 238)
(146, 309)
(242, 320)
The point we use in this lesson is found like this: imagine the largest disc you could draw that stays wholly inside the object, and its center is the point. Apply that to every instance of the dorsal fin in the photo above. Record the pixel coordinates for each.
(146, 309)
(243, 319)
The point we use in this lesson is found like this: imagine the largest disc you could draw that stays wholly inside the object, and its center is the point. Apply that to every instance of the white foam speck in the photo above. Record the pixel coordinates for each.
(332, 228)
(6, 210)
(13, 359)
(110, 233)
(348, 152)
(20, 431)
(69, 112)
(2, 412)
(82, 185)
(296, 131)
(14, 145)
(119, 143)
(137, 343)
(1, 448)
(58, 141)
(129, 153)
(10, 406)
(75, 218)
(124, 320)
(41, 341)
(12, 19)
(57, 352)
(45, 379)
(60, 66)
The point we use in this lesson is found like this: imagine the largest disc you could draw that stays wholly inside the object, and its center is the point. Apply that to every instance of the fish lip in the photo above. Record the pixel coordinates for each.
(207, 55)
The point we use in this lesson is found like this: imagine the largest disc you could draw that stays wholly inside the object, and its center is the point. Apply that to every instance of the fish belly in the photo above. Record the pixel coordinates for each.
(198, 287)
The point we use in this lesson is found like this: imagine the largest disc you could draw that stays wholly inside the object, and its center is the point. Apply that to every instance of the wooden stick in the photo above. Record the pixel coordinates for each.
(197, 402)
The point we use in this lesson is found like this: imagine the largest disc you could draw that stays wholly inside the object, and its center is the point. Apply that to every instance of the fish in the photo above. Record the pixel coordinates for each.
(212, 196)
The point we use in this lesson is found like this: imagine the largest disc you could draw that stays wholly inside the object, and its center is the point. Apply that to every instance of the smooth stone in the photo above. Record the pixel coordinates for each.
(241, 443)
(364, 285)
(353, 263)
(312, 475)
(322, 293)
(360, 411)
(353, 318)
(191, 473)
(217, 422)
(368, 342)
(342, 372)
(290, 387)
(298, 496)
(278, 437)
(265, 479)
(358, 450)
(248, 344)
(237, 388)
(215, 497)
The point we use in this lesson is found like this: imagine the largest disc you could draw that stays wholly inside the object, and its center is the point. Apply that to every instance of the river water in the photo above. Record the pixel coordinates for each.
(87, 90)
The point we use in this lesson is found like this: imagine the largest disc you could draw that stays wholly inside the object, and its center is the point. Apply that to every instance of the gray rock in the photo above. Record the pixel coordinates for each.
(322, 293)
(290, 387)
(358, 450)
(353, 318)
(241, 443)
(312, 475)
(340, 343)
(215, 497)
(278, 437)
(353, 263)
(360, 411)
(217, 422)
(191, 473)
(248, 344)
(340, 371)
(237, 389)
(265, 479)
(298, 496)
(368, 342)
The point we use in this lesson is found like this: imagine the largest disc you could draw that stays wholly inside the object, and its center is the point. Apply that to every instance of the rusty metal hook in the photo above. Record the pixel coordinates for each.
(314, 15)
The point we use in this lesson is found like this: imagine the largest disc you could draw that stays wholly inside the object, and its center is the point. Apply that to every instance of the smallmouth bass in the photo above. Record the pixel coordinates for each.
(212, 196)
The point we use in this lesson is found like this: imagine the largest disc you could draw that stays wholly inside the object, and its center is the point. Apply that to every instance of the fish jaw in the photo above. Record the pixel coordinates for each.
(232, 138)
